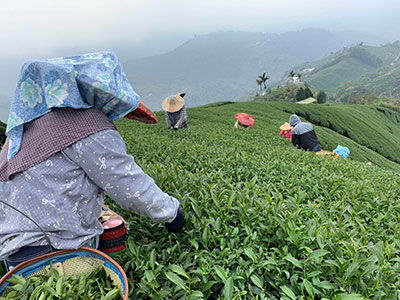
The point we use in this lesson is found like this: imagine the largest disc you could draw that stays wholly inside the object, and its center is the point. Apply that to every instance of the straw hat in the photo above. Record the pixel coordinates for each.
(173, 103)
(285, 126)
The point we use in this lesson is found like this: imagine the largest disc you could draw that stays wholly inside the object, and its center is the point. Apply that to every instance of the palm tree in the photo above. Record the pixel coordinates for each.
(299, 76)
(263, 78)
(259, 82)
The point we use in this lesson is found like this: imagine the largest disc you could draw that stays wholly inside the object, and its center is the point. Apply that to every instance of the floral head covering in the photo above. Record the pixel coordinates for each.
(94, 80)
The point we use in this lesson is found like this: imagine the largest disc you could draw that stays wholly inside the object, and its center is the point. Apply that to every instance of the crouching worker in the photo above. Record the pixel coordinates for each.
(63, 152)
(303, 135)
(175, 111)
(286, 131)
(238, 124)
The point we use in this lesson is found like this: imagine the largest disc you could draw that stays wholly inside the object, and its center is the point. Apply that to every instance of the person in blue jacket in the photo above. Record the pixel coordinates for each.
(303, 135)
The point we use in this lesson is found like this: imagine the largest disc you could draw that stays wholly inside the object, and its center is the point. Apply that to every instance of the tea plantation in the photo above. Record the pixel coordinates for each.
(264, 220)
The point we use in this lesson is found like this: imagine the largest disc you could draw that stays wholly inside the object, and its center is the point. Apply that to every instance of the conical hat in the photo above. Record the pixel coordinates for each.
(286, 126)
(173, 103)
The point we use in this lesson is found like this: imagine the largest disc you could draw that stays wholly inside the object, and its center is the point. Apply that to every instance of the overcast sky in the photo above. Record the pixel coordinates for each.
(133, 28)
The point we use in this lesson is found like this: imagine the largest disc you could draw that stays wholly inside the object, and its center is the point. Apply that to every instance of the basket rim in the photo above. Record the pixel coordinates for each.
(61, 252)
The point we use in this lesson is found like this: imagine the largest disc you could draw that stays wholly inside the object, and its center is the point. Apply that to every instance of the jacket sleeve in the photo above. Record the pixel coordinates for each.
(104, 159)
(182, 118)
(296, 140)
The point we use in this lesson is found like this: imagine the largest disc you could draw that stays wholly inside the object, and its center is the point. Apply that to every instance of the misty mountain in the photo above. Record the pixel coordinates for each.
(224, 65)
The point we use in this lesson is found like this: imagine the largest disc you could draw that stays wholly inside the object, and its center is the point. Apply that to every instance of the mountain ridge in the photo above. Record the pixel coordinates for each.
(225, 65)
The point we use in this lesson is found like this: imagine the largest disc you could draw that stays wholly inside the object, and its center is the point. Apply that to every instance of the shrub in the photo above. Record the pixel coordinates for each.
(264, 220)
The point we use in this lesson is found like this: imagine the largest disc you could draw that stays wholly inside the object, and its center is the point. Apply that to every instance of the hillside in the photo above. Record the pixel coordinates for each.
(371, 67)
(225, 65)
(375, 128)
(263, 220)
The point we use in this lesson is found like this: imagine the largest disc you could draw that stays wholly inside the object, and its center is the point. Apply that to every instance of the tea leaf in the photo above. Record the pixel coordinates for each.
(175, 279)
(228, 289)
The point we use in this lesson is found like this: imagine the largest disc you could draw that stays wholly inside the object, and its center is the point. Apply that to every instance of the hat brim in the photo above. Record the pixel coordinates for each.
(142, 114)
(245, 119)
(285, 126)
(175, 106)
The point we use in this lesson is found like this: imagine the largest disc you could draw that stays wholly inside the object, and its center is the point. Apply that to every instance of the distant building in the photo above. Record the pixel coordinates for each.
(309, 100)
(296, 79)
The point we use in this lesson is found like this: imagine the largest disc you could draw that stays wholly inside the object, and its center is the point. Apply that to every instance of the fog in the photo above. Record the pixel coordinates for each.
(132, 29)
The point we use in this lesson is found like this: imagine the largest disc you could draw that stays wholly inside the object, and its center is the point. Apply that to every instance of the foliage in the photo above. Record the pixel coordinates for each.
(2, 133)
(321, 97)
(374, 67)
(348, 92)
(307, 92)
(363, 98)
(365, 56)
(390, 103)
(94, 285)
(264, 220)
(363, 124)
(384, 82)
(300, 94)
(262, 79)
(288, 92)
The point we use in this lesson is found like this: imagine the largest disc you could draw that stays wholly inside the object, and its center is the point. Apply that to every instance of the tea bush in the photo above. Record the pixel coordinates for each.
(263, 220)
(374, 128)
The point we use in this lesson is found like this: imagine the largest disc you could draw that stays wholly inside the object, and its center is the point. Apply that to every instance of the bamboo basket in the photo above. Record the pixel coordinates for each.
(327, 154)
(68, 263)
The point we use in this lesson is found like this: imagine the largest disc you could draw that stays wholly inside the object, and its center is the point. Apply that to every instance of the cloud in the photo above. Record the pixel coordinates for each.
(134, 28)
(40, 26)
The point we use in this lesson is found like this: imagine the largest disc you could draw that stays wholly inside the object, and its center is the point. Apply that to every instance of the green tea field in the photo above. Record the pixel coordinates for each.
(265, 220)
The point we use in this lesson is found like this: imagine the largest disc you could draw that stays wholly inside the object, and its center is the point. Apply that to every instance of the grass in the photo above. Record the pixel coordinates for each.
(264, 220)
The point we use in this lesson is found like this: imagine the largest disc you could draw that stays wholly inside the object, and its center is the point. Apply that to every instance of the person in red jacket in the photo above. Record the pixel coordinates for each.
(286, 130)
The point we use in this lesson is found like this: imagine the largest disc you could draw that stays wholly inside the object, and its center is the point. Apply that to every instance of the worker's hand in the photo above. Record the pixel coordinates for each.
(177, 224)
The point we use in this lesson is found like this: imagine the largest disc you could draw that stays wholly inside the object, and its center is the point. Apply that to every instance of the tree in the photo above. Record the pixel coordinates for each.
(263, 78)
(321, 97)
(300, 95)
(259, 82)
(291, 74)
(266, 78)
(308, 93)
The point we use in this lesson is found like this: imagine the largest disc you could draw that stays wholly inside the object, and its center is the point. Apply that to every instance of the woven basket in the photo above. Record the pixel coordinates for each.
(69, 263)
(327, 154)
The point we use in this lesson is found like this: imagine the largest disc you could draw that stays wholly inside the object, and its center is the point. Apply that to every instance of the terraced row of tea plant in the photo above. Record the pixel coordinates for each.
(376, 128)
(264, 220)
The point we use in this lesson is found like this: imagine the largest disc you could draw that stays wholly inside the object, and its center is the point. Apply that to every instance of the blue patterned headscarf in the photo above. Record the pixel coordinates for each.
(94, 80)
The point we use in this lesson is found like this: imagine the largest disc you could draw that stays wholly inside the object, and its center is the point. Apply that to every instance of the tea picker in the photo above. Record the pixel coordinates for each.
(63, 152)
(303, 135)
(175, 111)
(244, 120)
(286, 130)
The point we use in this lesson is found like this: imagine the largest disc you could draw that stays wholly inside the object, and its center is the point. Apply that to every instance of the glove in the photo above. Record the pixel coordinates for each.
(177, 224)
